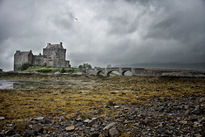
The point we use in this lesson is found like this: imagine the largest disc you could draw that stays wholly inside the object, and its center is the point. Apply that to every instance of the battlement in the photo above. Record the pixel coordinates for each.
(59, 46)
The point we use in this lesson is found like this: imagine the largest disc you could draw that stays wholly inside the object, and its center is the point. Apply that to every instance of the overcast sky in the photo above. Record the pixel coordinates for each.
(103, 32)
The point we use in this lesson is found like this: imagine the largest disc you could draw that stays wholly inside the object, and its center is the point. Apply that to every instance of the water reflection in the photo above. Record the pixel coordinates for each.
(11, 84)
(44, 84)
(6, 84)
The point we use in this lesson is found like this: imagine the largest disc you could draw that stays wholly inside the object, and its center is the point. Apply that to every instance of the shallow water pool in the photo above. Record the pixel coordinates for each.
(6, 84)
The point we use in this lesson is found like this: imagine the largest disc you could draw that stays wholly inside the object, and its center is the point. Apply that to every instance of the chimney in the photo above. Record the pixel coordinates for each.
(61, 43)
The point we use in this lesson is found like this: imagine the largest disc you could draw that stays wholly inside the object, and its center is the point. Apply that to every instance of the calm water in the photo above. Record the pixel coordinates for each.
(6, 84)
(11, 84)
(43, 84)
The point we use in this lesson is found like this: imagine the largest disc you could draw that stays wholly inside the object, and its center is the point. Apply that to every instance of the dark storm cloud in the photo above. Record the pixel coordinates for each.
(105, 32)
(181, 24)
(185, 25)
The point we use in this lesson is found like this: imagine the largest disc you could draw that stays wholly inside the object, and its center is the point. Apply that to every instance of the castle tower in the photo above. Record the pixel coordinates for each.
(55, 55)
(22, 57)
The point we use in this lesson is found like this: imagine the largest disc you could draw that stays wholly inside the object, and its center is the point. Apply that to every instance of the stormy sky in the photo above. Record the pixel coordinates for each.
(103, 32)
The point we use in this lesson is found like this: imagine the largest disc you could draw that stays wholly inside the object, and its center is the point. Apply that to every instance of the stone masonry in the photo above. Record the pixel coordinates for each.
(53, 56)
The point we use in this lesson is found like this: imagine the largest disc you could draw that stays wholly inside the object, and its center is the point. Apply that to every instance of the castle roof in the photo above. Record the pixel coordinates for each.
(59, 46)
(23, 53)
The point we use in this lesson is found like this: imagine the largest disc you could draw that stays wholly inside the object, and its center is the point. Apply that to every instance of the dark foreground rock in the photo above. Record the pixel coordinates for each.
(157, 117)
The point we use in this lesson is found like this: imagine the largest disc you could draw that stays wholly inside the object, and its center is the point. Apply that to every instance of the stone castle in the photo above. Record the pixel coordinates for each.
(53, 56)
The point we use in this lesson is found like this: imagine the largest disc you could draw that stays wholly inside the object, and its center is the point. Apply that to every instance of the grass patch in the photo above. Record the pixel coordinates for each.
(51, 70)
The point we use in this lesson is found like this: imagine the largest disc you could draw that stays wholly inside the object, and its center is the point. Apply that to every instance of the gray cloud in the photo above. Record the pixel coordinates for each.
(105, 32)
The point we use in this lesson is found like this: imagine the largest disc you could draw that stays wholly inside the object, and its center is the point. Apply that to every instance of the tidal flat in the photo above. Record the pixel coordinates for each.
(61, 105)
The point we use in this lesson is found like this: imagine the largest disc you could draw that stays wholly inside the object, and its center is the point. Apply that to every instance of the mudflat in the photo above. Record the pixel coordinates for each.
(61, 105)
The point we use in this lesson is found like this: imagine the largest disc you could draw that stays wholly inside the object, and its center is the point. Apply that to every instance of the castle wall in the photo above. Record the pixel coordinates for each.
(39, 60)
(30, 58)
(21, 58)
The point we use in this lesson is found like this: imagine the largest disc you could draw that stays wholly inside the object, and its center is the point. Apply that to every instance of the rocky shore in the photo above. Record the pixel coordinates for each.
(162, 117)
(111, 107)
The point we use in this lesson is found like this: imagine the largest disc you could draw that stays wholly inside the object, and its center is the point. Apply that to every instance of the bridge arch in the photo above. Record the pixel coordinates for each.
(99, 73)
(127, 71)
(110, 71)
(119, 71)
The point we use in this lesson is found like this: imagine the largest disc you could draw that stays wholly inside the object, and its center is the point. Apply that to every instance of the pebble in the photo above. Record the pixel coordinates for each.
(38, 118)
(183, 122)
(9, 125)
(79, 124)
(116, 107)
(196, 124)
(2, 118)
(202, 100)
(109, 126)
(113, 132)
(86, 121)
(79, 119)
(70, 128)
(92, 129)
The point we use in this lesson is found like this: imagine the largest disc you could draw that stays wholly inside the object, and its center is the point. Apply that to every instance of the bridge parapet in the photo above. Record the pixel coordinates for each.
(107, 71)
(138, 71)
(121, 70)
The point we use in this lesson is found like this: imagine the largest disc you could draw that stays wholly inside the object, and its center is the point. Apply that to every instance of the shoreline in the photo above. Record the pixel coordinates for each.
(145, 72)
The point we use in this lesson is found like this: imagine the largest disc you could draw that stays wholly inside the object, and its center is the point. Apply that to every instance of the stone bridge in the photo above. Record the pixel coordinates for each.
(120, 70)
(146, 72)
